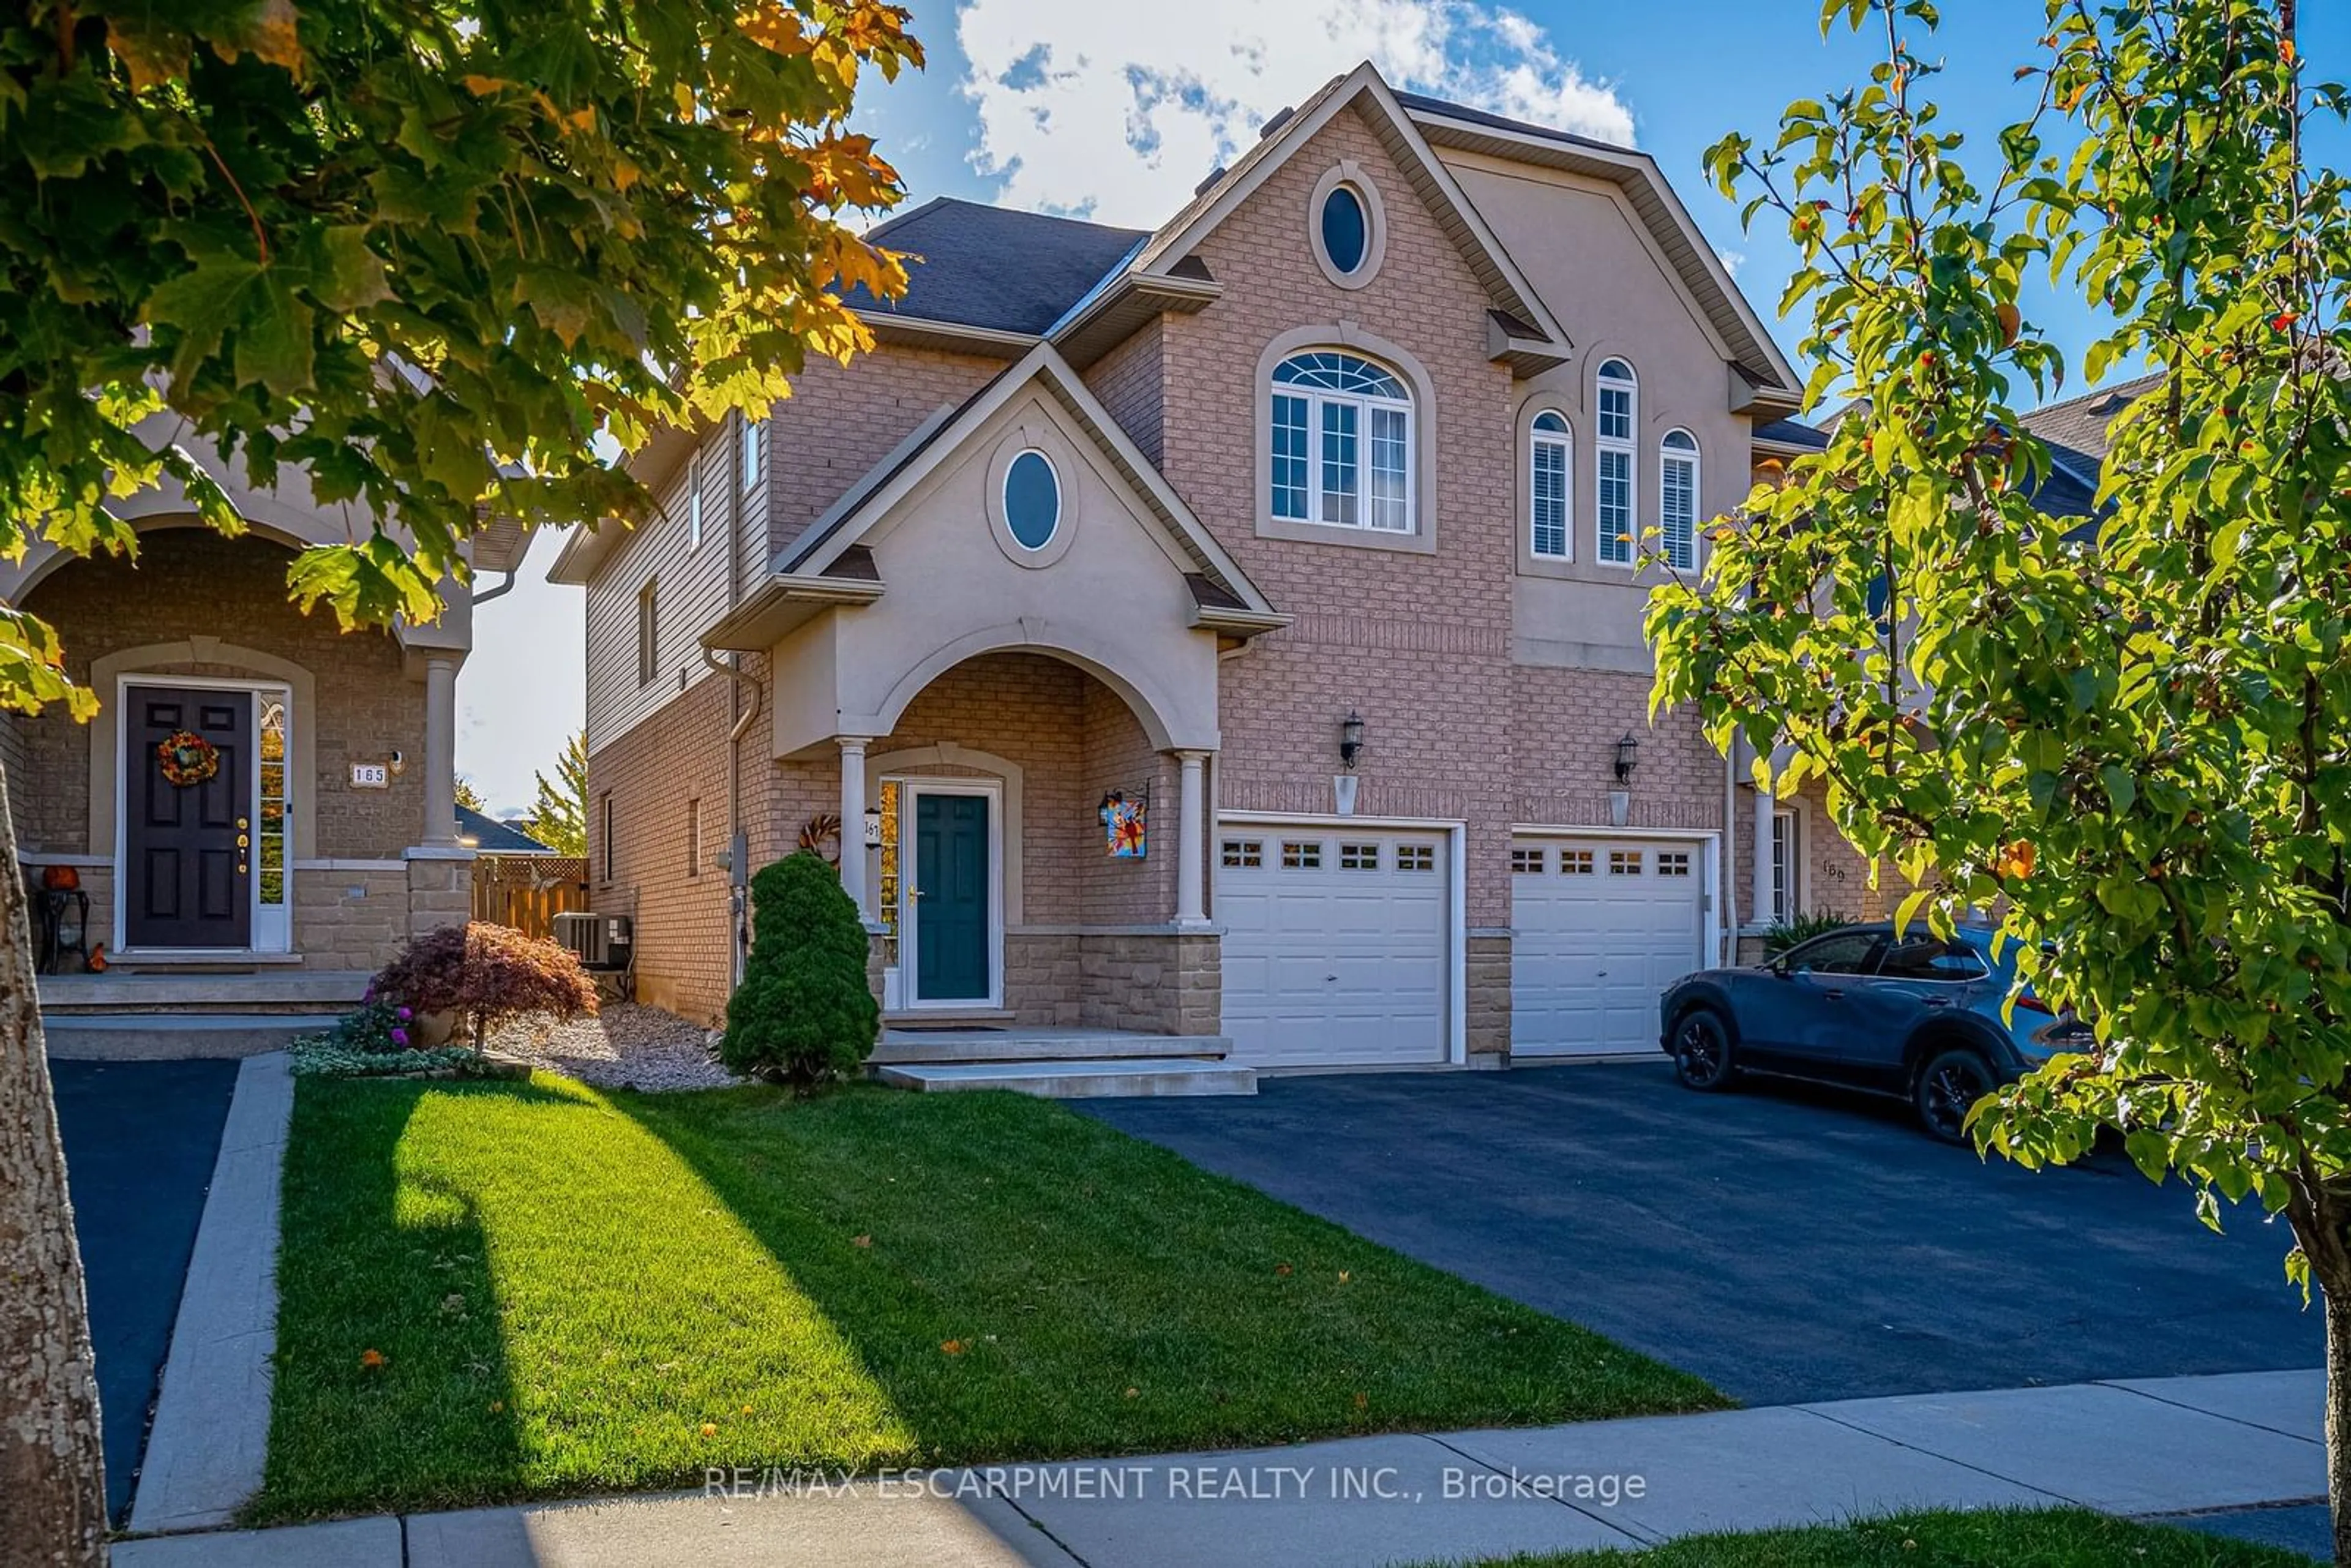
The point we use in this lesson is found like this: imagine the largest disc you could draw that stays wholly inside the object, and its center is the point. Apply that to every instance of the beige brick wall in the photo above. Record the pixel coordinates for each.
(1418, 643)
(189, 582)
(1130, 381)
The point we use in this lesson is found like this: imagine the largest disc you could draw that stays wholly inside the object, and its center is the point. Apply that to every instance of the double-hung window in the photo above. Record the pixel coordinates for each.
(1341, 443)
(1618, 401)
(1550, 484)
(1677, 498)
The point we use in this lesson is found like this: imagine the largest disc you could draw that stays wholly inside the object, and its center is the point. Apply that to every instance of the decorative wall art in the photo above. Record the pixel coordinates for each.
(1126, 821)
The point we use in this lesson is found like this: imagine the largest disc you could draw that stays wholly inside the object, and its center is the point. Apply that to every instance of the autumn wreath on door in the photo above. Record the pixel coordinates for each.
(187, 759)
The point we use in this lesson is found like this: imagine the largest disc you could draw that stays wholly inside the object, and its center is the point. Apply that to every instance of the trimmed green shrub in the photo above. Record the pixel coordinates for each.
(804, 1014)
(1786, 934)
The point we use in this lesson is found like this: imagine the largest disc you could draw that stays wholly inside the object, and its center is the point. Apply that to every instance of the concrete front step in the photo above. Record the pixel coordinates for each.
(172, 1036)
(308, 991)
(1079, 1080)
(901, 1047)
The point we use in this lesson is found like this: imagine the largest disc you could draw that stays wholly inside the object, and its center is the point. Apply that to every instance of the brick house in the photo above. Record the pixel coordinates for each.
(316, 834)
(1298, 527)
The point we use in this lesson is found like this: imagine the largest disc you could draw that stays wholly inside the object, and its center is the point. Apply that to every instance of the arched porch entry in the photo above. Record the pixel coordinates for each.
(1033, 847)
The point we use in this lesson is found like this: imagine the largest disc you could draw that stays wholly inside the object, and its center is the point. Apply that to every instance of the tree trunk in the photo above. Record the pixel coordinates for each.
(2338, 1415)
(52, 1467)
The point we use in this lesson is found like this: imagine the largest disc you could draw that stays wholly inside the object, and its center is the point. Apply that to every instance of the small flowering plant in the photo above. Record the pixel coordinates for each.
(376, 1026)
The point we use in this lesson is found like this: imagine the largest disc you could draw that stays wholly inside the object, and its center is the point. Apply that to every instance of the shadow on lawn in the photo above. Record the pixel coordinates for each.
(391, 1380)
(1017, 1280)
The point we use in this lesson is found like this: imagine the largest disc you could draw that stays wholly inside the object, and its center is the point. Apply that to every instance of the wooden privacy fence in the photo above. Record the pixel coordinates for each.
(528, 891)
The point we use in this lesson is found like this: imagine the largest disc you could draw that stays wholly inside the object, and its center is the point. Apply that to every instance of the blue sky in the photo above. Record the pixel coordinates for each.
(1115, 109)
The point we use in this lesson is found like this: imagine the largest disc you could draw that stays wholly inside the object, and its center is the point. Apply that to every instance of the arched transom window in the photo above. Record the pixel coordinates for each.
(1619, 414)
(1550, 483)
(1342, 443)
(1677, 498)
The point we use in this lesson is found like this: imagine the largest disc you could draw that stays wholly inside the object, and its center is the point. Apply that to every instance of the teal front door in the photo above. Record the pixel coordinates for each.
(951, 898)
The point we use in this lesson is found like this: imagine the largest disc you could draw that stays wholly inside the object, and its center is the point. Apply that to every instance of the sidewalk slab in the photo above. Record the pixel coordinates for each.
(211, 1416)
(344, 1544)
(1743, 1469)
(1343, 1504)
(2103, 1448)
(2293, 1403)
(860, 1531)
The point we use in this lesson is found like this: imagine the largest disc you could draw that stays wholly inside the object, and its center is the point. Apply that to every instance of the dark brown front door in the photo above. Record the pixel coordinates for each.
(188, 859)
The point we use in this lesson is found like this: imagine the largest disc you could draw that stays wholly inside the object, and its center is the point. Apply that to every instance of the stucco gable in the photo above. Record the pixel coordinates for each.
(835, 561)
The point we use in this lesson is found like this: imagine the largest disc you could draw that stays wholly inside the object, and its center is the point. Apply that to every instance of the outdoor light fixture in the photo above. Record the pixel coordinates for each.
(1351, 738)
(1627, 758)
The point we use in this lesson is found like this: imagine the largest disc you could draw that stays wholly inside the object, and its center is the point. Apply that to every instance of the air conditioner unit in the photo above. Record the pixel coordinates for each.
(602, 941)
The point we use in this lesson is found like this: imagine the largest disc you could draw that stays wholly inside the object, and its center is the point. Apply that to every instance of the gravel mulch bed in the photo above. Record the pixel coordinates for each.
(627, 1047)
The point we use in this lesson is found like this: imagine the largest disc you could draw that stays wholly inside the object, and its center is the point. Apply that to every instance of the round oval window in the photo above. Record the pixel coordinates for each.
(1032, 500)
(1346, 232)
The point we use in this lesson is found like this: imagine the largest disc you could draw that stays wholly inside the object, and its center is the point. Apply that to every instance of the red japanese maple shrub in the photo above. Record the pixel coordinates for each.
(486, 974)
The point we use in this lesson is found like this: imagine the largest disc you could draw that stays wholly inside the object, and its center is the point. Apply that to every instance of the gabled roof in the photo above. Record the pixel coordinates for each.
(1756, 357)
(492, 837)
(831, 564)
(1170, 251)
(991, 268)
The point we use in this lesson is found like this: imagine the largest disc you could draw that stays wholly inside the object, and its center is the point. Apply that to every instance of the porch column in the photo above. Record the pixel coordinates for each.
(440, 751)
(852, 822)
(1191, 840)
(1759, 908)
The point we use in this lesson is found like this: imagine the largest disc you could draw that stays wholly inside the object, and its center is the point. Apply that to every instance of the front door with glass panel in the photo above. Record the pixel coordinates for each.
(953, 903)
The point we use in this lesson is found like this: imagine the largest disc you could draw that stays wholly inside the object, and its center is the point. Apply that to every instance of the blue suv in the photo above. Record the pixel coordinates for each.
(1913, 1015)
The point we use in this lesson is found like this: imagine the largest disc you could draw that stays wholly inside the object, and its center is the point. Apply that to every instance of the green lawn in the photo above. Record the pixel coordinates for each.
(575, 1291)
(2059, 1538)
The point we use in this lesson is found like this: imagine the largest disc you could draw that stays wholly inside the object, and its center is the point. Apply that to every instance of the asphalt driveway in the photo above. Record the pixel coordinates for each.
(1786, 1243)
(141, 1138)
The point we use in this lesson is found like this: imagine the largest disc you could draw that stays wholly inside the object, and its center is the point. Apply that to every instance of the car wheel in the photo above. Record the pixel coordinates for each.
(1950, 1083)
(1702, 1051)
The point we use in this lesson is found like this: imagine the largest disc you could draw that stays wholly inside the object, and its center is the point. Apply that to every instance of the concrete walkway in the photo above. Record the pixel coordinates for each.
(2170, 1445)
(211, 1414)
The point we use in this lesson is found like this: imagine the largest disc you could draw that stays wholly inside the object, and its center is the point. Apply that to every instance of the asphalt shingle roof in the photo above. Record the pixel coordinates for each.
(492, 837)
(990, 267)
(1793, 433)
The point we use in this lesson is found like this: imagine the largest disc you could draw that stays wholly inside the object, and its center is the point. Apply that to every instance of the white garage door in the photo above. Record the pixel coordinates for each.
(1335, 951)
(1600, 927)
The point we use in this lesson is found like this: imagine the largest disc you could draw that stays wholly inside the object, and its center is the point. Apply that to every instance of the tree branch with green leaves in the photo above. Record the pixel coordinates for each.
(2125, 734)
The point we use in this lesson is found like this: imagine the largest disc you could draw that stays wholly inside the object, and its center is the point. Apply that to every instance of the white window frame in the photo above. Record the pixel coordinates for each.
(1363, 406)
(750, 453)
(694, 513)
(1616, 545)
(1787, 862)
(1680, 552)
(648, 633)
(1556, 447)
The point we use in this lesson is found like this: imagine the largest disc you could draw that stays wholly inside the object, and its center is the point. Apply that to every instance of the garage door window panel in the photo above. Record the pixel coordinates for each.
(1301, 855)
(1359, 857)
(1244, 852)
(1416, 857)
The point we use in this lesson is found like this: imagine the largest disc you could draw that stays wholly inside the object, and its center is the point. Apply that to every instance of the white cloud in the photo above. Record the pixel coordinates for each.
(1116, 110)
(1732, 260)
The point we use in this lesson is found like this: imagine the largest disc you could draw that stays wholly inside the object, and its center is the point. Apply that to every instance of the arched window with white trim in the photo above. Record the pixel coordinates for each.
(1342, 440)
(1618, 406)
(1551, 484)
(1677, 498)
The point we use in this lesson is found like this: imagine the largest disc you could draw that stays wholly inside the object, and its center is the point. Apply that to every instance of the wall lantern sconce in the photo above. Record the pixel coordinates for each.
(1628, 757)
(1351, 738)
